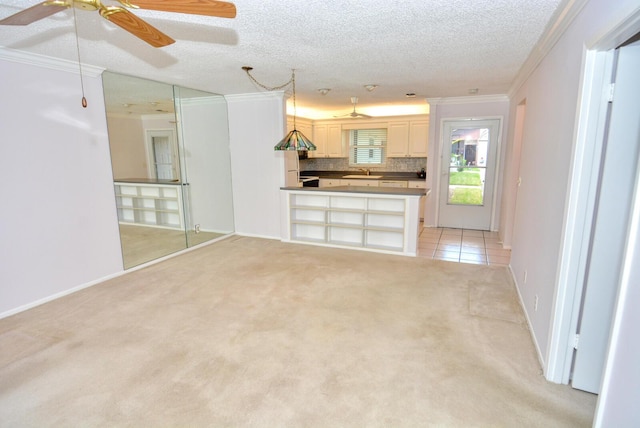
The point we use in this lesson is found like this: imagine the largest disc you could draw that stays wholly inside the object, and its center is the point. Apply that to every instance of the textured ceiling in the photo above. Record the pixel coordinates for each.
(435, 48)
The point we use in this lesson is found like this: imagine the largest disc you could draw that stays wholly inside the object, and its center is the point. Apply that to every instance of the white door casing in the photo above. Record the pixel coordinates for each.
(611, 221)
(162, 152)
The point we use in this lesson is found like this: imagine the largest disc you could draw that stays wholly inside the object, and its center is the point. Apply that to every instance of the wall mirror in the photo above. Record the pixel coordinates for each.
(171, 166)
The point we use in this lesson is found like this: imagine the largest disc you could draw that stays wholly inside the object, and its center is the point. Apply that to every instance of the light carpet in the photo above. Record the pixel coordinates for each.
(249, 332)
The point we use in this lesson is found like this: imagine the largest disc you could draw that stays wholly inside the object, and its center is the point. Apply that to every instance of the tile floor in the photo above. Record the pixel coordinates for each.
(462, 245)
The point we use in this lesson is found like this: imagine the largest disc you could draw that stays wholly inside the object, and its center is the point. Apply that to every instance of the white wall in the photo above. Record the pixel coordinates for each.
(58, 224)
(461, 108)
(256, 123)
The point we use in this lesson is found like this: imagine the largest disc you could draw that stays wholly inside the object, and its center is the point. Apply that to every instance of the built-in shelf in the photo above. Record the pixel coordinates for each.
(377, 222)
(155, 205)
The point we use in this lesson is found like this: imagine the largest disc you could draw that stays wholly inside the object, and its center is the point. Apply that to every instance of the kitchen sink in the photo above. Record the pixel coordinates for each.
(362, 176)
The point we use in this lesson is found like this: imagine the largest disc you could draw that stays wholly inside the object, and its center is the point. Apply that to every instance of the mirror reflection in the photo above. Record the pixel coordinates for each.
(171, 166)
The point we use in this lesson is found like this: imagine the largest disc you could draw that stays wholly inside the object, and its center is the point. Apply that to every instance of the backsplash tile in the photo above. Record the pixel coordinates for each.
(342, 164)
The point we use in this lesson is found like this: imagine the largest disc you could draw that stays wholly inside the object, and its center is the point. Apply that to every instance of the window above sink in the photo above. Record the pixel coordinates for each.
(367, 147)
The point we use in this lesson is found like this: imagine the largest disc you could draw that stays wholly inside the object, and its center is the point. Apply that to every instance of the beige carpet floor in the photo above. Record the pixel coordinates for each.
(249, 332)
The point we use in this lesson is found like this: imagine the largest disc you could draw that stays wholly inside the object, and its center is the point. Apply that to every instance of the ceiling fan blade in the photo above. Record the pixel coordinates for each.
(136, 26)
(33, 14)
(217, 8)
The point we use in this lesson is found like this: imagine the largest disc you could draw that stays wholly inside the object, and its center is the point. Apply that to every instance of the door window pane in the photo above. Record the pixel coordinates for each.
(467, 167)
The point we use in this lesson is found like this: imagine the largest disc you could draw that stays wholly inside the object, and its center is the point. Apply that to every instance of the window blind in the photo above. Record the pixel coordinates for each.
(367, 146)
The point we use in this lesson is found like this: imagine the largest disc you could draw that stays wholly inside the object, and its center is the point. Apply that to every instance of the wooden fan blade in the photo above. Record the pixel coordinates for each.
(217, 8)
(136, 26)
(32, 14)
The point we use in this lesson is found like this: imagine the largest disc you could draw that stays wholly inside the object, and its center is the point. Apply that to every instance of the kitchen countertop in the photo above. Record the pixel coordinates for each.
(405, 176)
(146, 181)
(403, 191)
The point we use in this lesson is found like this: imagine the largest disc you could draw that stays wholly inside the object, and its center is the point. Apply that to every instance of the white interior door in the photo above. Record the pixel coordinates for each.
(163, 155)
(467, 173)
(611, 220)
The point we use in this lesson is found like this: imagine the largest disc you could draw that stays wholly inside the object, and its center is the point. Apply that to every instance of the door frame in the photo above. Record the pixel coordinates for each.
(498, 168)
(162, 132)
(589, 137)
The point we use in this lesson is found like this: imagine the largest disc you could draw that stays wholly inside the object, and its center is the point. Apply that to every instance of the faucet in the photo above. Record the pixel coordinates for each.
(366, 171)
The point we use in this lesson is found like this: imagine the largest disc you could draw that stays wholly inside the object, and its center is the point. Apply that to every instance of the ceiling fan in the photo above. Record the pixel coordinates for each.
(354, 114)
(123, 17)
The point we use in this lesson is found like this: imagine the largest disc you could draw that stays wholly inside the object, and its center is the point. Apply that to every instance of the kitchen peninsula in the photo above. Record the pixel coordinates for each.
(382, 219)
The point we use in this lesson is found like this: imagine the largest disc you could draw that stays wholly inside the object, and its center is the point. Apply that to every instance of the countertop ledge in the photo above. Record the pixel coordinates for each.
(402, 176)
(147, 181)
(362, 189)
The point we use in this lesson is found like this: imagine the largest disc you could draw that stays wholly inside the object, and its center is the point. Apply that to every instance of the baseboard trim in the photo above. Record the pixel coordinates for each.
(526, 315)
(72, 290)
(56, 296)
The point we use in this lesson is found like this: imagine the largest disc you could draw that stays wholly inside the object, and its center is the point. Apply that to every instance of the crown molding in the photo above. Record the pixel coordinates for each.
(563, 17)
(469, 100)
(255, 96)
(207, 100)
(51, 63)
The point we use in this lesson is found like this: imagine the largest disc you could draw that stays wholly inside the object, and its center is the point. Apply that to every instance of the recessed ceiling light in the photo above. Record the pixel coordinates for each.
(473, 91)
(324, 91)
(411, 95)
(370, 87)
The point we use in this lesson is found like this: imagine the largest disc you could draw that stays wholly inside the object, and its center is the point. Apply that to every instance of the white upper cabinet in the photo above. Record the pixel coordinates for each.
(397, 139)
(418, 138)
(334, 141)
(320, 141)
(407, 136)
(328, 141)
(407, 139)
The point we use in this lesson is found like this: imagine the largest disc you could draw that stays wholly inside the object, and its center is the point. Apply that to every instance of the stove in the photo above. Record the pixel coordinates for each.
(309, 181)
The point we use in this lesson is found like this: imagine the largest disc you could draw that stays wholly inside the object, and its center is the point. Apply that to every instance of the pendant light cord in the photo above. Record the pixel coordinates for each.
(291, 81)
(248, 69)
(75, 26)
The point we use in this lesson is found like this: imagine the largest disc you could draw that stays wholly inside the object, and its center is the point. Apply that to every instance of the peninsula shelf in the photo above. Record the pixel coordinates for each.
(367, 218)
(149, 204)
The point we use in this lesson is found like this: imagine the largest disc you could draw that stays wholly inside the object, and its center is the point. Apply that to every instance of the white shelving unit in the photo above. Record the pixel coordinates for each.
(375, 222)
(154, 205)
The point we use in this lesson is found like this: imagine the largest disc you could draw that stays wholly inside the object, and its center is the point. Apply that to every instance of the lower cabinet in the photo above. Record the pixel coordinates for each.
(376, 222)
(330, 182)
(419, 185)
(359, 182)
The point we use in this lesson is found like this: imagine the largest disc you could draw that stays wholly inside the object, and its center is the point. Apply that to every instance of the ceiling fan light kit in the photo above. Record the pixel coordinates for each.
(354, 114)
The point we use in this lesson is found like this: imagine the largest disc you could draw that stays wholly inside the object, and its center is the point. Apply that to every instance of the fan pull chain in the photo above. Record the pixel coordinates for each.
(75, 26)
